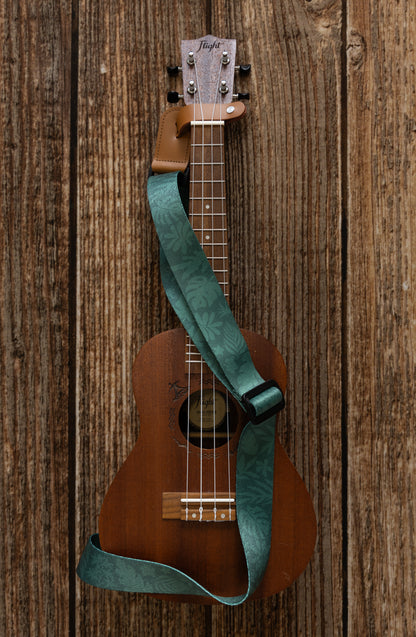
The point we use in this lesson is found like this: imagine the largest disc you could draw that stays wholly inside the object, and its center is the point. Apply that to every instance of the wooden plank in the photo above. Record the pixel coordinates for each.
(286, 270)
(124, 49)
(381, 318)
(34, 137)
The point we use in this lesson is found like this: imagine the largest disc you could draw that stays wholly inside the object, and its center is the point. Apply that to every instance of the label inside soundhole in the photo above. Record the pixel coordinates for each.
(209, 418)
(209, 400)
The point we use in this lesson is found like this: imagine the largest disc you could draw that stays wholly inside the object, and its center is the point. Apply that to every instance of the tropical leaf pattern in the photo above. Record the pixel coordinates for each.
(197, 298)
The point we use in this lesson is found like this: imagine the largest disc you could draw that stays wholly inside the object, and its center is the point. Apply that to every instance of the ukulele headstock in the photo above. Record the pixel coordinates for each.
(208, 66)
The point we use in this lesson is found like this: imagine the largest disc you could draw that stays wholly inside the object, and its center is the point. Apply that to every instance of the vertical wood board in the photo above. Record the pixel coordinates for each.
(381, 318)
(34, 136)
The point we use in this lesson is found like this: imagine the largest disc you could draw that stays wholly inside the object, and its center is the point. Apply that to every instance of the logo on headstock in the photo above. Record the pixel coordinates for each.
(206, 46)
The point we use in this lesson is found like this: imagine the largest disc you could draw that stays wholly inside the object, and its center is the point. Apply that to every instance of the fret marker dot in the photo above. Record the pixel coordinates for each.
(207, 206)
(207, 237)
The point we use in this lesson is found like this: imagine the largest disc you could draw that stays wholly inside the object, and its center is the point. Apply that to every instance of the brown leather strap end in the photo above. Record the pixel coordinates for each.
(208, 113)
(172, 152)
(173, 142)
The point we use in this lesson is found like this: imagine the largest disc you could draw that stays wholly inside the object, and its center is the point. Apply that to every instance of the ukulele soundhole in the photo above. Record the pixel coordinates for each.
(212, 418)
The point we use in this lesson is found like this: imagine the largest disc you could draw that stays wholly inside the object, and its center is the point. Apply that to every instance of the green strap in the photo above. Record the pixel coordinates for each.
(197, 298)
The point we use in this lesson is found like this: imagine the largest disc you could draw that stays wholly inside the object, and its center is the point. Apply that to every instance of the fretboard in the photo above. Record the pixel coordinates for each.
(207, 210)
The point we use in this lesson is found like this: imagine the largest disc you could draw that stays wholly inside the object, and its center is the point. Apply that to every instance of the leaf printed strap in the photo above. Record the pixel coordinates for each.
(254, 491)
(221, 344)
(203, 310)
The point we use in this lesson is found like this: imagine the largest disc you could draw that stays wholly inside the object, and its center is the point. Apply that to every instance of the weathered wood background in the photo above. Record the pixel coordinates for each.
(322, 200)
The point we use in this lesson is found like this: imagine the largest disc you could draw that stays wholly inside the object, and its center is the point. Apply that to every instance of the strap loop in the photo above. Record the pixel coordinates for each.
(256, 414)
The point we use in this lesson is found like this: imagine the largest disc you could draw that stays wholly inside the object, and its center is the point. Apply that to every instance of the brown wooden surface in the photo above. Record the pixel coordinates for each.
(381, 319)
(34, 133)
(329, 139)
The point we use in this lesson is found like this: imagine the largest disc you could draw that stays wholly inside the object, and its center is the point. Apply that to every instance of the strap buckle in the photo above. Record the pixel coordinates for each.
(251, 410)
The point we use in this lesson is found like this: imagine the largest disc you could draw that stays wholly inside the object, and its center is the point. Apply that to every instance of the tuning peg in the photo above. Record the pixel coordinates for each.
(243, 69)
(242, 96)
(223, 87)
(225, 59)
(173, 70)
(173, 97)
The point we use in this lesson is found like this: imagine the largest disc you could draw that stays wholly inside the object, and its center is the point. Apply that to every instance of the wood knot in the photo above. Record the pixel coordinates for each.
(356, 49)
(326, 15)
(18, 349)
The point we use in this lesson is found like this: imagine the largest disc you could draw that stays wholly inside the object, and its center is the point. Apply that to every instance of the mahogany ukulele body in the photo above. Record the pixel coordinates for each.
(131, 521)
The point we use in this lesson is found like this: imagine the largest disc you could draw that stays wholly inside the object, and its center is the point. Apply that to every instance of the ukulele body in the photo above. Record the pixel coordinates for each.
(131, 521)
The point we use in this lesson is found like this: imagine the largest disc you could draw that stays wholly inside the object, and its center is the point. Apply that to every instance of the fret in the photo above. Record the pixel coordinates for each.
(204, 198)
(208, 237)
(207, 230)
(214, 257)
(208, 181)
(214, 247)
(206, 145)
(207, 244)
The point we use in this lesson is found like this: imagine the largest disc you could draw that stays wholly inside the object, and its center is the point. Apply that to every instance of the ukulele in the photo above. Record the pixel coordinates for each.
(173, 501)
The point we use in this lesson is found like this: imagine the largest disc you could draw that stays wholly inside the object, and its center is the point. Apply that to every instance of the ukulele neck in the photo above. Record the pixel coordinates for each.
(207, 213)
(207, 210)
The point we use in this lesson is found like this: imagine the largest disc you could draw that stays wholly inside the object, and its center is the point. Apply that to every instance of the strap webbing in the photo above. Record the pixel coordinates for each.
(198, 300)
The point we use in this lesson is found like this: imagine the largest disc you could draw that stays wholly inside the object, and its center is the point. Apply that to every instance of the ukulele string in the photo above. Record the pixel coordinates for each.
(225, 267)
(188, 342)
(212, 235)
(225, 273)
(201, 438)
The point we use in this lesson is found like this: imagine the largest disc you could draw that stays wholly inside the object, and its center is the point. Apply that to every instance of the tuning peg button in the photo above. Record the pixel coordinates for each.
(173, 70)
(173, 97)
(242, 96)
(243, 69)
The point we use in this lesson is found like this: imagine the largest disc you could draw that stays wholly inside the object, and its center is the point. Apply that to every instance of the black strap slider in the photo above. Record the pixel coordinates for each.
(246, 400)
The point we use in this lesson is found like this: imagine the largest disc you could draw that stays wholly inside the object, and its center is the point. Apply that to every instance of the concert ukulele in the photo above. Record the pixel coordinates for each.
(174, 501)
